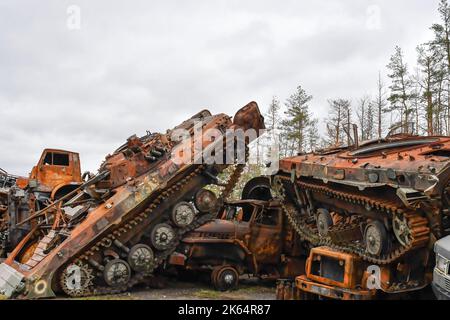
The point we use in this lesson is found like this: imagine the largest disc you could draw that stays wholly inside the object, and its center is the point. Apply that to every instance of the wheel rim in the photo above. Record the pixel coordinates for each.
(227, 279)
(117, 273)
(375, 239)
(141, 258)
(401, 230)
(324, 222)
(205, 201)
(183, 214)
(163, 236)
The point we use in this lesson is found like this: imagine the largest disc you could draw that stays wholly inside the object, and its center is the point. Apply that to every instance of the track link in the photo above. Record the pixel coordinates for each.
(160, 257)
(420, 232)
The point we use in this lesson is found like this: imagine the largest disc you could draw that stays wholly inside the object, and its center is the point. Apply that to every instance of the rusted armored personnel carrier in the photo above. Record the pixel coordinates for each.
(117, 228)
(383, 203)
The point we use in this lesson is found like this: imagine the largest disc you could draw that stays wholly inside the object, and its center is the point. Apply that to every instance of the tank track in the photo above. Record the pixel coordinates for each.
(160, 257)
(420, 232)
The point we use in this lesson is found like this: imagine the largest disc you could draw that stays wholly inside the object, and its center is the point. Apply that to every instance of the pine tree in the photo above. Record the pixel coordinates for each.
(298, 117)
(442, 32)
(273, 116)
(401, 89)
(429, 61)
(313, 135)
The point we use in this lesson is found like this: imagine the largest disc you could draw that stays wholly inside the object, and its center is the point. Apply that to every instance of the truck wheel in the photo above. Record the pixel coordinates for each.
(183, 214)
(376, 238)
(214, 275)
(324, 222)
(205, 201)
(162, 236)
(227, 278)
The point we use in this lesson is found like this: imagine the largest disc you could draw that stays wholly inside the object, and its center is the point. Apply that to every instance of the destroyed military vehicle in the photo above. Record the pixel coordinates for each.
(382, 203)
(250, 236)
(117, 228)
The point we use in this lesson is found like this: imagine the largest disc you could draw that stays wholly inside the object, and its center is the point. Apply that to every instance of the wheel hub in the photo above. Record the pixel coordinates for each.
(401, 230)
(228, 279)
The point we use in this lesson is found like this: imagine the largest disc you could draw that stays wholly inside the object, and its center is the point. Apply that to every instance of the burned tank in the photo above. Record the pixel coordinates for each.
(384, 202)
(116, 229)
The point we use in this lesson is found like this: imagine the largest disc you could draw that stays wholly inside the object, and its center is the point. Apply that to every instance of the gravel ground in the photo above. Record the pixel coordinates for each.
(250, 289)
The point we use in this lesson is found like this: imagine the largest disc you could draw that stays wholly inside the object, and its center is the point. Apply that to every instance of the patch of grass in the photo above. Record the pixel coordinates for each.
(255, 289)
(207, 294)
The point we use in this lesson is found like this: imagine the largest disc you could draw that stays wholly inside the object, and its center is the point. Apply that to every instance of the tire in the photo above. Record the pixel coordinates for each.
(226, 279)
(376, 238)
(205, 201)
(162, 236)
(324, 222)
(257, 189)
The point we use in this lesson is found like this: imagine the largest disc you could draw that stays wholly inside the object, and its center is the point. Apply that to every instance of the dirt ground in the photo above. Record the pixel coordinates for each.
(250, 289)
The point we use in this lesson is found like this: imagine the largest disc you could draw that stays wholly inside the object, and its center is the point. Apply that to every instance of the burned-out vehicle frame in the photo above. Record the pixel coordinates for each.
(249, 237)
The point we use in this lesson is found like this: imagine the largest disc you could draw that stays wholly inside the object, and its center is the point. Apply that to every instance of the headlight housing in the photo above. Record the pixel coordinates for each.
(441, 263)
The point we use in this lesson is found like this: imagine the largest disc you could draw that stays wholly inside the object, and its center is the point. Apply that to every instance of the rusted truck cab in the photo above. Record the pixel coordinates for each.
(332, 274)
(56, 169)
(249, 237)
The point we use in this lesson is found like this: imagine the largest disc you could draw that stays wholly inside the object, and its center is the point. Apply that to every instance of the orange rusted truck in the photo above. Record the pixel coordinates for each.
(116, 229)
(332, 274)
(57, 173)
(249, 237)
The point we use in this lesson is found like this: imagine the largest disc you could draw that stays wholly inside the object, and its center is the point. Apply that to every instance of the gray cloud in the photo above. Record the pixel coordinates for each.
(144, 65)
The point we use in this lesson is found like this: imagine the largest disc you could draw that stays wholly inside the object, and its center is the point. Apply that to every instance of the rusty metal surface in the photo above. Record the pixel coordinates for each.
(56, 173)
(127, 204)
(343, 276)
(252, 236)
(383, 202)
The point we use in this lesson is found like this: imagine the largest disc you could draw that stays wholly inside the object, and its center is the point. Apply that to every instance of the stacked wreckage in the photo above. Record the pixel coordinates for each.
(354, 222)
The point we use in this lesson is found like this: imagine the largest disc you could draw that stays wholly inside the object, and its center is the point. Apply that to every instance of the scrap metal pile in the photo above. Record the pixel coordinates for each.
(114, 230)
(354, 222)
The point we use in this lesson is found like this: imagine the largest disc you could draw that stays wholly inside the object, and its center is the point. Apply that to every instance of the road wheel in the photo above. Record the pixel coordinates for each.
(183, 214)
(205, 201)
(376, 238)
(117, 273)
(162, 236)
(140, 258)
(227, 278)
(324, 222)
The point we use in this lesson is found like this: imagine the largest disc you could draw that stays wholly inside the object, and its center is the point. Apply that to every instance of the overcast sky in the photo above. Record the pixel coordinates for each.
(132, 66)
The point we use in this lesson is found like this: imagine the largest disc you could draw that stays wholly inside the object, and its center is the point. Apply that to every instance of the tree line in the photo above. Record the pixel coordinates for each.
(416, 100)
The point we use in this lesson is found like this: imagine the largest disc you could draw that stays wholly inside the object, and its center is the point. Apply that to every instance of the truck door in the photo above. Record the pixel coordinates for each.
(265, 242)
